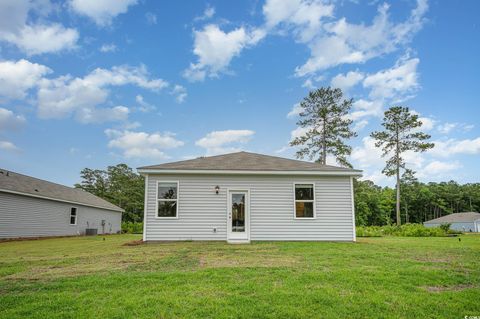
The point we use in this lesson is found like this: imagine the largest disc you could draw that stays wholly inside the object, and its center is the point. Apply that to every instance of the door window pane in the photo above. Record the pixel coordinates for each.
(238, 212)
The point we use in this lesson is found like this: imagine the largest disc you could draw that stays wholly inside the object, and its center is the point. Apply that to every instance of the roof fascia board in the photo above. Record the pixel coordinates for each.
(58, 200)
(245, 172)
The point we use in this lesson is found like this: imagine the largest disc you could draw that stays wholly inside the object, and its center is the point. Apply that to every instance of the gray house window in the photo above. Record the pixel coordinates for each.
(304, 201)
(167, 198)
(73, 216)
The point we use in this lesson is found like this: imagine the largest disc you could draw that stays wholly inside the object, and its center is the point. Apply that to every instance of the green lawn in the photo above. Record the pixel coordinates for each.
(88, 277)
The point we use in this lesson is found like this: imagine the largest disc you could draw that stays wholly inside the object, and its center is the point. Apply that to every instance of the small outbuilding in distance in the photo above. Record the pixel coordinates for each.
(466, 222)
(31, 207)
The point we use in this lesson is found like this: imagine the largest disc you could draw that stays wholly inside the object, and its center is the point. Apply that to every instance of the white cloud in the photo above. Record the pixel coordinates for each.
(13, 15)
(347, 81)
(132, 125)
(438, 167)
(208, 13)
(44, 39)
(454, 146)
(332, 41)
(387, 86)
(105, 48)
(144, 106)
(218, 142)
(216, 48)
(33, 37)
(427, 123)
(304, 16)
(101, 115)
(142, 144)
(367, 155)
(299, 131)
(369, 158)
(364, 108)
(329, 52)
(17, 77)
(283, 149)
(394, 82)
(341, 42)
(447, 127)
(359, 125)
(308, 84)
(295, 111)
(9, 120)
(62, 96)
(8, 146)
(180, 93)
(151, 18)
(102, 12)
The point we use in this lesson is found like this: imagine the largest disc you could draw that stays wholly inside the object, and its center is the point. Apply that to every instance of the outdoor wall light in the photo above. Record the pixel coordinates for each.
(217, 189)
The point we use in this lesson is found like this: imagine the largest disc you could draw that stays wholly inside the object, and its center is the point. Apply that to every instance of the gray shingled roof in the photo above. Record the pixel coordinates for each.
(245, 161)
(14, 182)
(456, 218)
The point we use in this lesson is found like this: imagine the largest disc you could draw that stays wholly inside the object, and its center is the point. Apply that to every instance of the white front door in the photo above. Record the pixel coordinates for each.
(238, 219)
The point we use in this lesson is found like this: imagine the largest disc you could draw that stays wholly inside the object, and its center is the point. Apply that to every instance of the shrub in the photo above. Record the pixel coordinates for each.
(406, 230)
(132, 228)
(445, 226)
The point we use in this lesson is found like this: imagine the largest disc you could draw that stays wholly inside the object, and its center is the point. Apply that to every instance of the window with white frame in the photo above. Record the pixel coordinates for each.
(167, 198)
(304, 201)
(73, 216)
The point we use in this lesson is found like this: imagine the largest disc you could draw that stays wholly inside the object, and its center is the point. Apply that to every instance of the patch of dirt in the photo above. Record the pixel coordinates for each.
(222, 260)
(134, 243)
(436, 289)
(7, 240)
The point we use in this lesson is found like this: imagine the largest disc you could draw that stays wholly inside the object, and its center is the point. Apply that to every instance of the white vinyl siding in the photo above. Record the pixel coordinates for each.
(25, 216)
(460, 226)
(201, 211)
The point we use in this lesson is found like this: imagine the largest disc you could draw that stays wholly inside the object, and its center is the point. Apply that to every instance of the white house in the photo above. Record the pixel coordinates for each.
(31, 207)
(244, 196)
(466, 222)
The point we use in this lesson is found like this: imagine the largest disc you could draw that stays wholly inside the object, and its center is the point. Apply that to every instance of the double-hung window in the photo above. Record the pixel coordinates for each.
(73, 216)
(304, 201)
(167, 199)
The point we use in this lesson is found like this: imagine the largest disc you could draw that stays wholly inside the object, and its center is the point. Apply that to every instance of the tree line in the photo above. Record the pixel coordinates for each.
(326, 120)
(374, 205)
(119, 185)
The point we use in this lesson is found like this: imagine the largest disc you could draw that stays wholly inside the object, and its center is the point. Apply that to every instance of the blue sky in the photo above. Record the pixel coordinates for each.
(96, 83)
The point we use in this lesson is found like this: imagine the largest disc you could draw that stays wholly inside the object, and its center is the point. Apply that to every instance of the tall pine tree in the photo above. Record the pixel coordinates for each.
(324, 117)
(400, 134)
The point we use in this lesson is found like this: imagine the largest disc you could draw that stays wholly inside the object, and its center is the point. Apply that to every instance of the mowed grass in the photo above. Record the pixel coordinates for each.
(89, 277)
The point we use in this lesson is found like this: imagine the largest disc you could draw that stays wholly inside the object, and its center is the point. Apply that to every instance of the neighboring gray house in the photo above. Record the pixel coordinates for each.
(31, 207)
(466, 222)
(243, 196)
